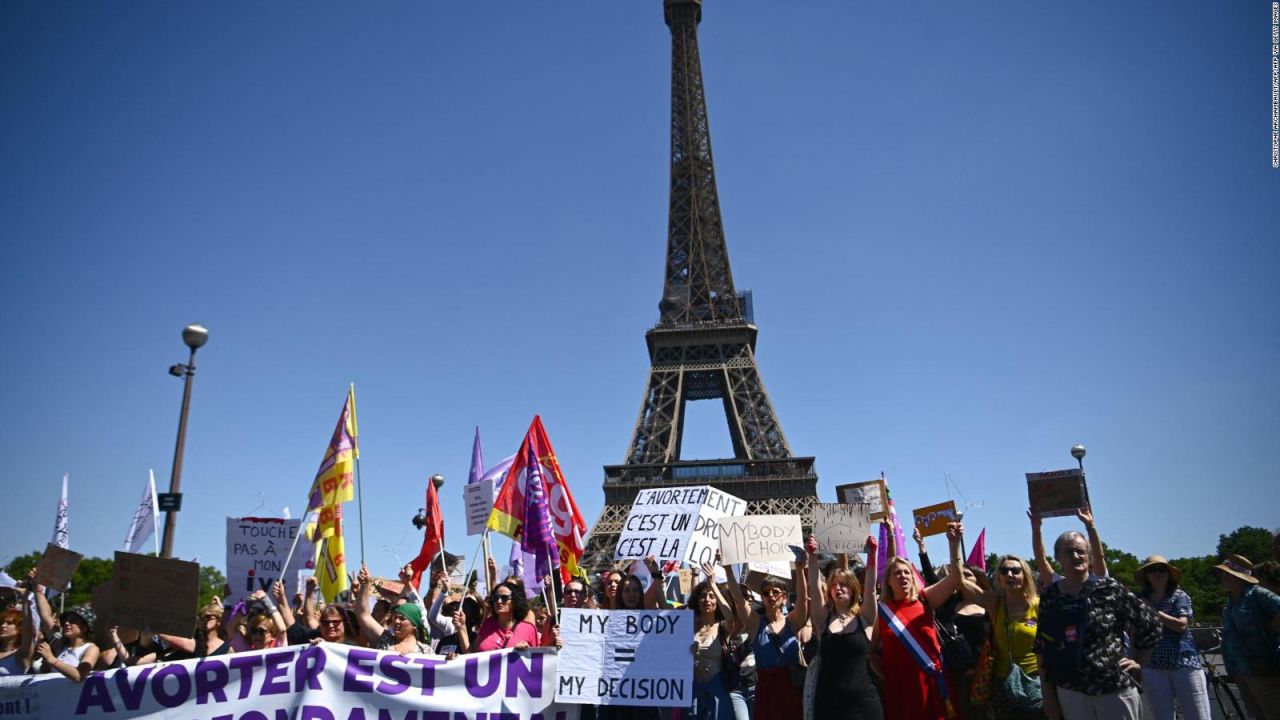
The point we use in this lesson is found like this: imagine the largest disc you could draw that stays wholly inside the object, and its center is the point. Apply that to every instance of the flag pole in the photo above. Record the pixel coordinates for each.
(359, 487)
(284, 569)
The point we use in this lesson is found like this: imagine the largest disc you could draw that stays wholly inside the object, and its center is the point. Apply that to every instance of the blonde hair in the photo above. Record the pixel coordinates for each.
(849, 579)
(1029, 591)
(913, 592)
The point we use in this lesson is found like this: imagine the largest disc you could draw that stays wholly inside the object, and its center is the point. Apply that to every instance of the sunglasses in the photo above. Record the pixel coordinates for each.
(1158, 569)
(332, 622)
(259, 631)
(574, 591)
(207, 618)
(501, 599)
(1010, 571)
(775, 592)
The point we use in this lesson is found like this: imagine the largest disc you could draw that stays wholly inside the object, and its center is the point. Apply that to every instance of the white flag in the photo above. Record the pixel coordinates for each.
(145, 518)
(60, 522)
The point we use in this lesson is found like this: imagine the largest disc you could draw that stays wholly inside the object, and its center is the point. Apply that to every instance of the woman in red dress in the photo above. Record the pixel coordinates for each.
(909, 641)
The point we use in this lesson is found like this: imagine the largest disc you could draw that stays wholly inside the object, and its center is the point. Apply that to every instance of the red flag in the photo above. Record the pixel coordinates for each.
(978, 556)
(567, 525)
(432, 539)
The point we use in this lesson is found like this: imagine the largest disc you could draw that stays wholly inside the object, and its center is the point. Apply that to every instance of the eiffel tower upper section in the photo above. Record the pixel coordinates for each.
(703, 347)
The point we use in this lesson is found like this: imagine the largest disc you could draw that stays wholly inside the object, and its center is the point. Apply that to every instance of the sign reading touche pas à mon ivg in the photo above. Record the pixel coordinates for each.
(625, 657)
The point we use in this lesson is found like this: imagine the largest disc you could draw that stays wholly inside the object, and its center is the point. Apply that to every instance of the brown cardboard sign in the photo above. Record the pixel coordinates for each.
(933, 519)
(1057, 493)
(56, 567)
(872, 492)
(156, 593)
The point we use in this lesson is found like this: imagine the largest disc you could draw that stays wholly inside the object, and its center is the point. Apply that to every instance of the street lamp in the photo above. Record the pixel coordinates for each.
(194, 337)
(420, 520)
(1077, 452)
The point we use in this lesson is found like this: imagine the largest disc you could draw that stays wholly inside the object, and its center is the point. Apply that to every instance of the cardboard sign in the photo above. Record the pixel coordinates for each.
(677, 524)
(156, 593)
(759, 538)
(478, 497)
(758, 572)
(933, 519)
(625, 657)
(56, 567)
(872, 492)
(1057, 493)
(256, 551)
(842, 527)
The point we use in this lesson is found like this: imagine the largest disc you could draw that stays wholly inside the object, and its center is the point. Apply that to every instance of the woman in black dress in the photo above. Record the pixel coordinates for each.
(844, 689)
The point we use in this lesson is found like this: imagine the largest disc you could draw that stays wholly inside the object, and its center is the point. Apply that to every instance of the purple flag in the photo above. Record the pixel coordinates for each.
(536, 538)
(477, 460)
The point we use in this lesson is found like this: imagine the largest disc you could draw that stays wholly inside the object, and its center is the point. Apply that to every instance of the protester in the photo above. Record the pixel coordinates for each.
(506, 626)
(963, 622)
(16, 642)
(914, 686)
(1097, 559)
(846, 614)
(69, 651)
(1080, 639)
(258, 610)
(610, 584)
(209, 637)
(715, 623)
(1250, 646)
(1175, 669)
(776, 639)
(404, 633)
(1014, 607)
(264, 633)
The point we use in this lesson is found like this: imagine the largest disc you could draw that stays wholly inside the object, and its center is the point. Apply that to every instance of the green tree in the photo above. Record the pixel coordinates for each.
(1255, 543)
(1121, 566)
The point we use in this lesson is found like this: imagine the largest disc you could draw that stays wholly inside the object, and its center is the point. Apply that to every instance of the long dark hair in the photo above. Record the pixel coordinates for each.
(627, 579)
(519, 603)
(695, 599)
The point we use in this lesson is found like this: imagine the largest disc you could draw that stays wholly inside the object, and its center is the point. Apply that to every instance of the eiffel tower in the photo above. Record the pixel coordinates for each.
(703, 347)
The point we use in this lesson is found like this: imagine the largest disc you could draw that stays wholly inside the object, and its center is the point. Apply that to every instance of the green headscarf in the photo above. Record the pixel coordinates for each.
(413, 614)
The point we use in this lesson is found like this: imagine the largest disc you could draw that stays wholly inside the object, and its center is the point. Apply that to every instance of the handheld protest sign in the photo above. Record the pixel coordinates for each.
(625, 657)
(757, 573)
(759, 538)
(873, 492)
(478, 497)
(933, 519)
(1057, 493)
(841, 527)
(156, 593)
(256, 552)
(56, 567)
(678, 524)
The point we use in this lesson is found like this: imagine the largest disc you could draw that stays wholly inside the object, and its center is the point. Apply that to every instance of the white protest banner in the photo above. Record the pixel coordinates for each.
(478, 497)
(841, 527)
(676, 524)
(256, 551)
(324, 682)
(759, 538)
(626, 657)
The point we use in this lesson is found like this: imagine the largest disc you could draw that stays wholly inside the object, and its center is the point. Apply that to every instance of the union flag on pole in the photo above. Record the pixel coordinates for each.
(509, 508)
(334, 485)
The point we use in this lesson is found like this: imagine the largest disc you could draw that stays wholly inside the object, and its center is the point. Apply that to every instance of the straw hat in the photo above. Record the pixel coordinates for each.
(1141, 573)
(1238, 566)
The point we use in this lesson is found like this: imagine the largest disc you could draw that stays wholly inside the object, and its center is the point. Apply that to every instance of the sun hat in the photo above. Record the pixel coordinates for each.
(1238, 566)
(85, 613)
(1141, 573)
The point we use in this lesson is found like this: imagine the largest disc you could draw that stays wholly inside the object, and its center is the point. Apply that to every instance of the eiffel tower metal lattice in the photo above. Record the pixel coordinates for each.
(703, 347)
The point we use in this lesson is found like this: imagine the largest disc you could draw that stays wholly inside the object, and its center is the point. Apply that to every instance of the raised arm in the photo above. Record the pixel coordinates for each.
(870, 609)
(282, 604)
(740, 607)
(657, 592)
(310, 618)
(734, 625)
(937, 593)
(891, 535)
(369, 627)
(1097, 558)
(75, 673)
(817, 598)
(799, 614)
(926, 567)
(48, 623)
(1037, 547)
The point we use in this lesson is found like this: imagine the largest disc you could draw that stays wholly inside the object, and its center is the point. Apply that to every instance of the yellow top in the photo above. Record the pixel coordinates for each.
(1022, 633)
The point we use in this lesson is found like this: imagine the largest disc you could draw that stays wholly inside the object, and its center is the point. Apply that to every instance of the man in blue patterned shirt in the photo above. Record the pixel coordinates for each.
(1251, 636)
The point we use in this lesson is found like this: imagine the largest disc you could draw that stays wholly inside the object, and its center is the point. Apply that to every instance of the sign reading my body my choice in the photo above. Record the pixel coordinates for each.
(680, 524)
(625, 657)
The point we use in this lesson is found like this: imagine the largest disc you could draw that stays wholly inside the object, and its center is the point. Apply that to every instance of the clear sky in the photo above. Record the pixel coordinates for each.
(976, 233)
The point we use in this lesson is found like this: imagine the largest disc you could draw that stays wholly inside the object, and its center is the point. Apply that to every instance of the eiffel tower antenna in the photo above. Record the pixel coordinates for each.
(703, 347)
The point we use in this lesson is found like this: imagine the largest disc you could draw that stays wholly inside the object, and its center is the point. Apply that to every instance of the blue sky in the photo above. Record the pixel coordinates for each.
(976, 233)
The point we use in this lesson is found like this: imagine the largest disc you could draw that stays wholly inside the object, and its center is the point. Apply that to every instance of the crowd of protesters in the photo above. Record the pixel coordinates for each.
(838, 639)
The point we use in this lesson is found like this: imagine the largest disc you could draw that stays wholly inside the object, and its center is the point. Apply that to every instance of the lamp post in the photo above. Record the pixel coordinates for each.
(1077, 452)
(194, 337)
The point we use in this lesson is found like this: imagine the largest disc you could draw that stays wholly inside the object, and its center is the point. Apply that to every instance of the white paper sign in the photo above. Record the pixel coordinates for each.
(841, 528)
(626, 657)
(256, 549)
(478, 497)
(676, 524)
(759, 538)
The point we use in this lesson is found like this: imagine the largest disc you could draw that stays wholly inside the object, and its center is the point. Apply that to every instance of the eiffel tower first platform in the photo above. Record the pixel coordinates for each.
(703, 347)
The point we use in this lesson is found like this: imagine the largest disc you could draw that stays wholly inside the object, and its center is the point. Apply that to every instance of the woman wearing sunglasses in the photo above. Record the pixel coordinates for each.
(1175, 668)
(507, 625)
(210, 637)
(1014, 606)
